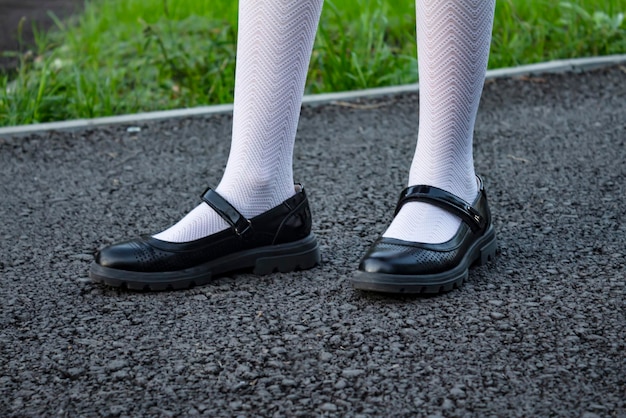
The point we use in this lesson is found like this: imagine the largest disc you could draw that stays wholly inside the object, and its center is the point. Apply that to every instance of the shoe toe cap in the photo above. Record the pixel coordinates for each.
(122, 256)
(397, 259)
(385, 260)
(372, 264)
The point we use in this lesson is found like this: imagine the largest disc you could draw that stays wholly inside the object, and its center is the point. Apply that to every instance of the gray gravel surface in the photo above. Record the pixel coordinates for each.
(541, 332)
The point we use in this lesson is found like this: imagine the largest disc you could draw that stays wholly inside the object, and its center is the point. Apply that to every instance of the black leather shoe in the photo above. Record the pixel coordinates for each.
(277, 240)
(397, 266)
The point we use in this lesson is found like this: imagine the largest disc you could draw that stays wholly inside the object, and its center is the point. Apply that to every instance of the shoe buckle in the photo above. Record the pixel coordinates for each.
(475, 215)
(243, 232)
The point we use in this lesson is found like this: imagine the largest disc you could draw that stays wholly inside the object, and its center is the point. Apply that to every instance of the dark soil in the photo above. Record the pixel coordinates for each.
(35, 13)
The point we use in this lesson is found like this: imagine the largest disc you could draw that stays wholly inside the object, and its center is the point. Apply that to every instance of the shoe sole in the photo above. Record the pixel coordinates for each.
(482, 252)
(298, 255)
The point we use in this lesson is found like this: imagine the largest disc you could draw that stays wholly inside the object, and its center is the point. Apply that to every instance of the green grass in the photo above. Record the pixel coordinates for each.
(125, 56)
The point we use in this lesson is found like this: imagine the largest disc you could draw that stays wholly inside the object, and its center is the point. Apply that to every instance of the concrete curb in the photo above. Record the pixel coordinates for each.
(557, 66)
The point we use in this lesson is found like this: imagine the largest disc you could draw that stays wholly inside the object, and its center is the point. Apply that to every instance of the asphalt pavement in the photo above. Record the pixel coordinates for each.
(539, 332)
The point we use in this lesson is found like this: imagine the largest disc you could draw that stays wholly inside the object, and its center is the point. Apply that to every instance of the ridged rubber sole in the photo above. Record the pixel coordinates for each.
(482, 252)
(298, 255)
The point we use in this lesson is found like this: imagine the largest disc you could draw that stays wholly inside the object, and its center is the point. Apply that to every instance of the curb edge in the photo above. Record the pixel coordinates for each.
(549, 67)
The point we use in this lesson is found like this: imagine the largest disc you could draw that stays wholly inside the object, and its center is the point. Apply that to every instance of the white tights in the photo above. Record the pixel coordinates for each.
(274, 47)
(453, 38)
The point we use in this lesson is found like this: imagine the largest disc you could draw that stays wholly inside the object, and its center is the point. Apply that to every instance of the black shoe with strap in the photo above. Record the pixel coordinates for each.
(398, 266)
(277, 240)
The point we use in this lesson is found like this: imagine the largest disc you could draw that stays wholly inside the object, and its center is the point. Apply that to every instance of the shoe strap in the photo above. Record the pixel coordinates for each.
(239, 223)
(444, 200)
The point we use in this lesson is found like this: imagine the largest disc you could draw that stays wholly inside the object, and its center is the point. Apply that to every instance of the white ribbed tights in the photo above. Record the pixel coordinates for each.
(274, 46)
(453, 38)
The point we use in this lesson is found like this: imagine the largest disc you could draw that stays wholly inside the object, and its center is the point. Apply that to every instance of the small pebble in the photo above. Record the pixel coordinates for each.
(329, 407)
(496, 315)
